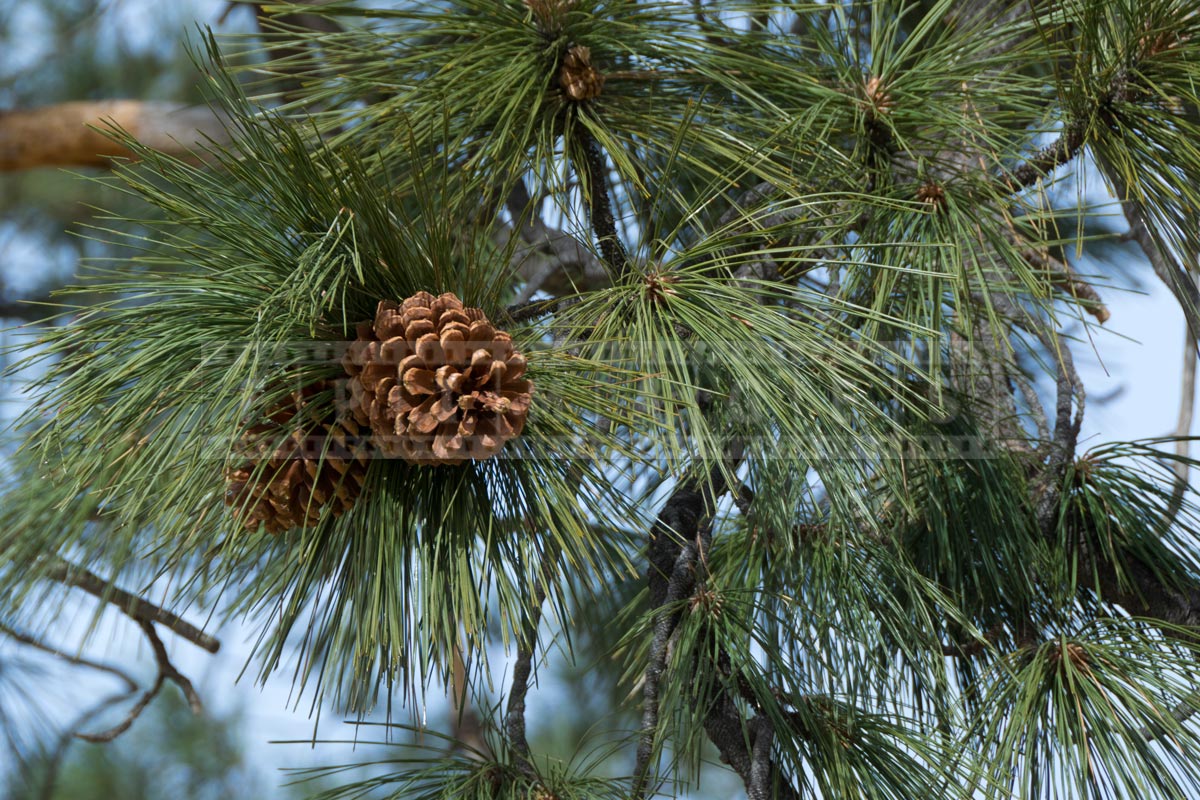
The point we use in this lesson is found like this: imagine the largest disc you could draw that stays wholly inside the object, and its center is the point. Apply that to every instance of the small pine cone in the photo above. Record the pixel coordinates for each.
(932, 194)
(879, 100)
(577, 77)
(436, 382)
(323, 462)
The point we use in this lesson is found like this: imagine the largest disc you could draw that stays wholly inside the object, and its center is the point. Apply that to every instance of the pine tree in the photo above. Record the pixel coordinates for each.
(733, 341)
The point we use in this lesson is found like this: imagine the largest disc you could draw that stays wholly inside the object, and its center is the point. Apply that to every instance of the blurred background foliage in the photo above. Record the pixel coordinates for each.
(61, 50)
(171, 752)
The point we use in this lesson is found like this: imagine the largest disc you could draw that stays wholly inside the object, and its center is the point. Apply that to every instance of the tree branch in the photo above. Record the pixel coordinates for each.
(1069, 397)
(727, 729)
(166, 672)
(29, 309)
(600, 211)
(1181, 713)
(1064, 277)
(1046, 160)
(140, 610)
(514, 716)
(975, 646)
(532, 309)
(1183, 426)
(65, 135)
(677, 540)
(761, 767)
(30, 641)
(679, 585)
(54, 760)
(551, 259)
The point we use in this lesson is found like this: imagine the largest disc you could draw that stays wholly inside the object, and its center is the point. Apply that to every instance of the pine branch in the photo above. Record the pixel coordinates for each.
(678, 586)
(514, 717)
(1181, 713)
(1063, 276)
(975, 646)
(66, 135)
(145, 614)
(600, 210)
(532, 309)
(727, 729)
(1063, 149)
(1183, 427)
(1069, 397)
(1046, 160)
(137, 608)
(677, 541)
(761, 768)
(1137, 588)
(1068, 392)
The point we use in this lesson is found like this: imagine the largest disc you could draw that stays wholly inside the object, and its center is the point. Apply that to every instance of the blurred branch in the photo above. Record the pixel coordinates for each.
(66, 135)
(972, 648)
(532, 309)
(1183, 426)
(140, 610)
(37, 644)
(166, 672)
(1181, 713)
(27, 309)
(551, 259)
(58, 754)
(286, 35)
(314, 22)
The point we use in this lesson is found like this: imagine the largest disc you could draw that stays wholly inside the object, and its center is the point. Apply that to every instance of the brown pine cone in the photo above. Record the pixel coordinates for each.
(296, 483)
(436, 382)
(577, 77)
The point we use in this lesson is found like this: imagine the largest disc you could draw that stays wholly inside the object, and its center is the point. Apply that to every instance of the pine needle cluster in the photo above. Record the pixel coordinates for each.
(801, 468)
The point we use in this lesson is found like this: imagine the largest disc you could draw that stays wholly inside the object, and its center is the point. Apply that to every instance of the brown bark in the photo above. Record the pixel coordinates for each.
(71, 134)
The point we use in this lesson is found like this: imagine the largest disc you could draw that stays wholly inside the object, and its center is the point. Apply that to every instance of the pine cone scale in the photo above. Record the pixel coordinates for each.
(451, 376)
(288, 481)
